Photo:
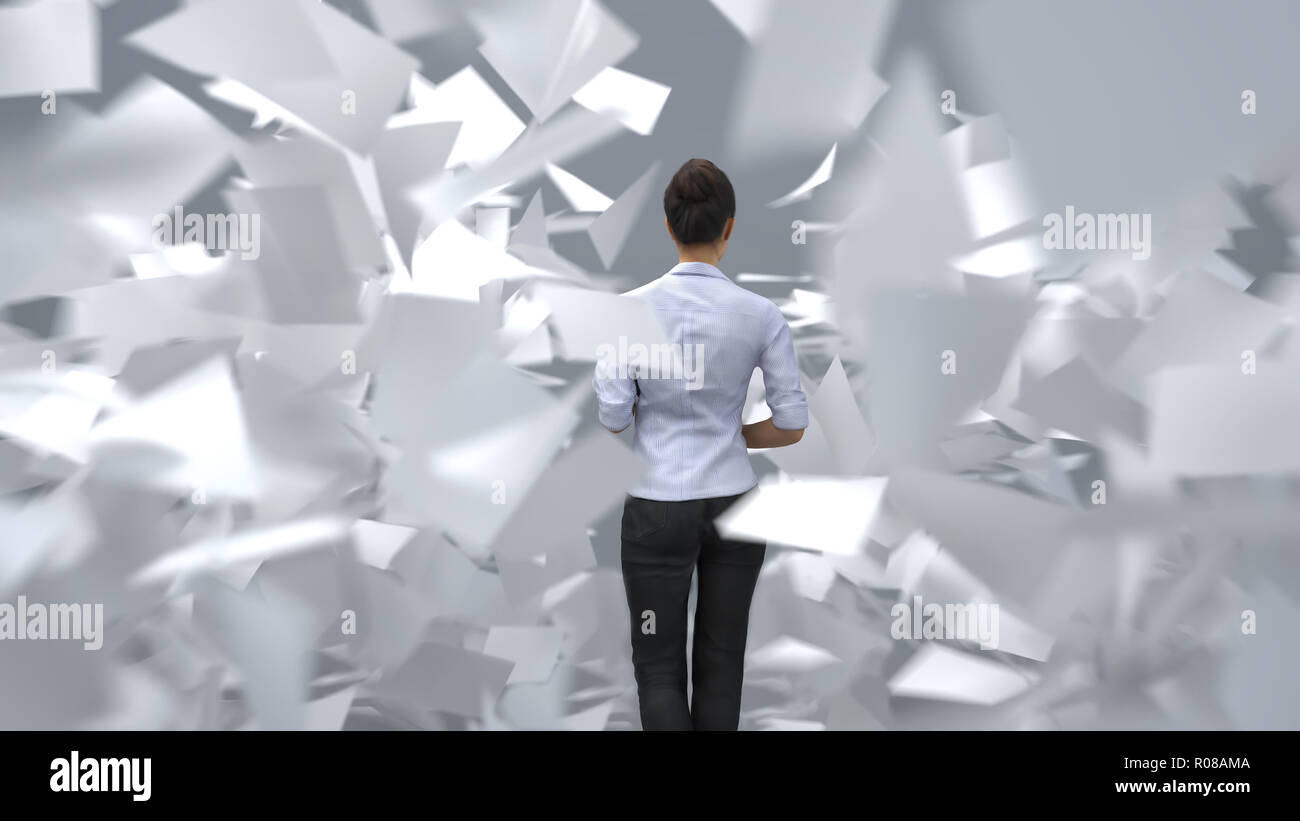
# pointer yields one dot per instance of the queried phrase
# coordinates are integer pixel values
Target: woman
(688, 431)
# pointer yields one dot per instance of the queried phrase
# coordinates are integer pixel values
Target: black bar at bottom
(329, 771)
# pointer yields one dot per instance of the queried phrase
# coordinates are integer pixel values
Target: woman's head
(700, 206)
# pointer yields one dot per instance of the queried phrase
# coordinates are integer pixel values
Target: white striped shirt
(688, 422)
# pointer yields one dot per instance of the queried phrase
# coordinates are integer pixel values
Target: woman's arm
(785, 397)
(629, 424)
(767, 435)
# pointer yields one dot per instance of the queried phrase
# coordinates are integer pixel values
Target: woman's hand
(767, 435)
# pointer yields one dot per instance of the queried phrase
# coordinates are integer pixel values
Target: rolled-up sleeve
(780, 366)
(615, 396)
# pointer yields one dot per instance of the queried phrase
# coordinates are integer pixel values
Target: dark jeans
(663, 544)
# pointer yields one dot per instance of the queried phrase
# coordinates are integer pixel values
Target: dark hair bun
(698, 202)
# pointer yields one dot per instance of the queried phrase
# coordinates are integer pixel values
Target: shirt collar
(697, 269)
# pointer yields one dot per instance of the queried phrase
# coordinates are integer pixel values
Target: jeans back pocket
(643, 517)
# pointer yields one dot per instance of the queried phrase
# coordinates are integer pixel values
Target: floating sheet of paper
(50, 47)
(750, 17)
(301, 270)
(790, 725)
(779, 106)
(1214, 420)
(810, 575)
(49, 531)
(318, 64)
(801, 279)
(320, 357)
(312, 583)
(270, 644)
(634, 101)
(149, 367)
(330, 712)
(920, 568)
(453, 262)
(1178, 333)
(493, 224)
(1253, 687)
(416, 344)
(982, 140)
(531, 228)
(411, 19)
(807, 307)
(611, 229)
(944, 674)
(1000, 534)
(53, 413)
(1075, 399)
(434, 568)
(192, 429)
(587, 479)
(904, 210)
(468, 464)
(584, 320)
(551, 266)
(246, 548)
(17, 468)
(804, 190)
(448, 679)
(847, 713)
(978, 450)
(1046, 472)
(548, 50)
(307, 163)
(532, 706)
(122, 315)
(589, 720)
(386, 620)
(839, 626)
(934, 358)
(580, 607)
(862, 571)
(564, 223)
(30, 703)
(186, 258)
(563, 558)
(377, 542)
(1004, 259)
(149, 151)
(534, 650)
(487, 125)
(995, 197)
(829, 515)
(564, 136)
(404, 157)
(522, 315)
(841, 421)
(580, 195)
(39, 317)
(789, 655)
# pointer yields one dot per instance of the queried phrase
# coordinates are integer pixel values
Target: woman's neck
(709, 255)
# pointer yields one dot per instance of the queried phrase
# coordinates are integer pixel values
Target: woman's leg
(728, 574)
(660, 545)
